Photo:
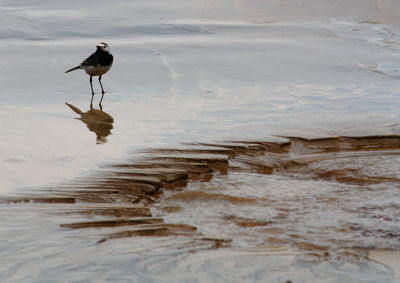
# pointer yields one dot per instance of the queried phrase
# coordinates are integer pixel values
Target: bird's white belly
(96, 70)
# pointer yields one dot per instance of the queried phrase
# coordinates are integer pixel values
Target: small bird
(96, 64)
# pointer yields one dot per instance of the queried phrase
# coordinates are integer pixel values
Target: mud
(201, 196)
(122, 194)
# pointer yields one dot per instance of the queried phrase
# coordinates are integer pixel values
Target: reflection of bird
(96, 64)
(97, 121)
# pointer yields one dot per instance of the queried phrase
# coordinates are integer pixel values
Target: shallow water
(188, 81)
(201, 72)
(325, 213)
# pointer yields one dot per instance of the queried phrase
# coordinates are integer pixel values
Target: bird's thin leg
(102, 92)
(91, 86)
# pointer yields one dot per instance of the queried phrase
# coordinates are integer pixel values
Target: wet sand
(111, 195)
(146, 197)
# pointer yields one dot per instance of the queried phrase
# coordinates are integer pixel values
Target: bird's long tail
(75, 109)
(73, 69)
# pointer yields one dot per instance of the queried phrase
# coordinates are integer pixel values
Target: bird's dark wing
(92, 60)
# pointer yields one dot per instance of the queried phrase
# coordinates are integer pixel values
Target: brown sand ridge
(121, 193)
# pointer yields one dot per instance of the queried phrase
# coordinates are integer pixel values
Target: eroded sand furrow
(121, 193)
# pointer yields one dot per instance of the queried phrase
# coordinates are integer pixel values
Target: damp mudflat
(278, 209)
(236, 143)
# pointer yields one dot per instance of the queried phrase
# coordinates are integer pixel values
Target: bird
(97, 64)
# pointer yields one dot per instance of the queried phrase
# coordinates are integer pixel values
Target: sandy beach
(237, 142)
